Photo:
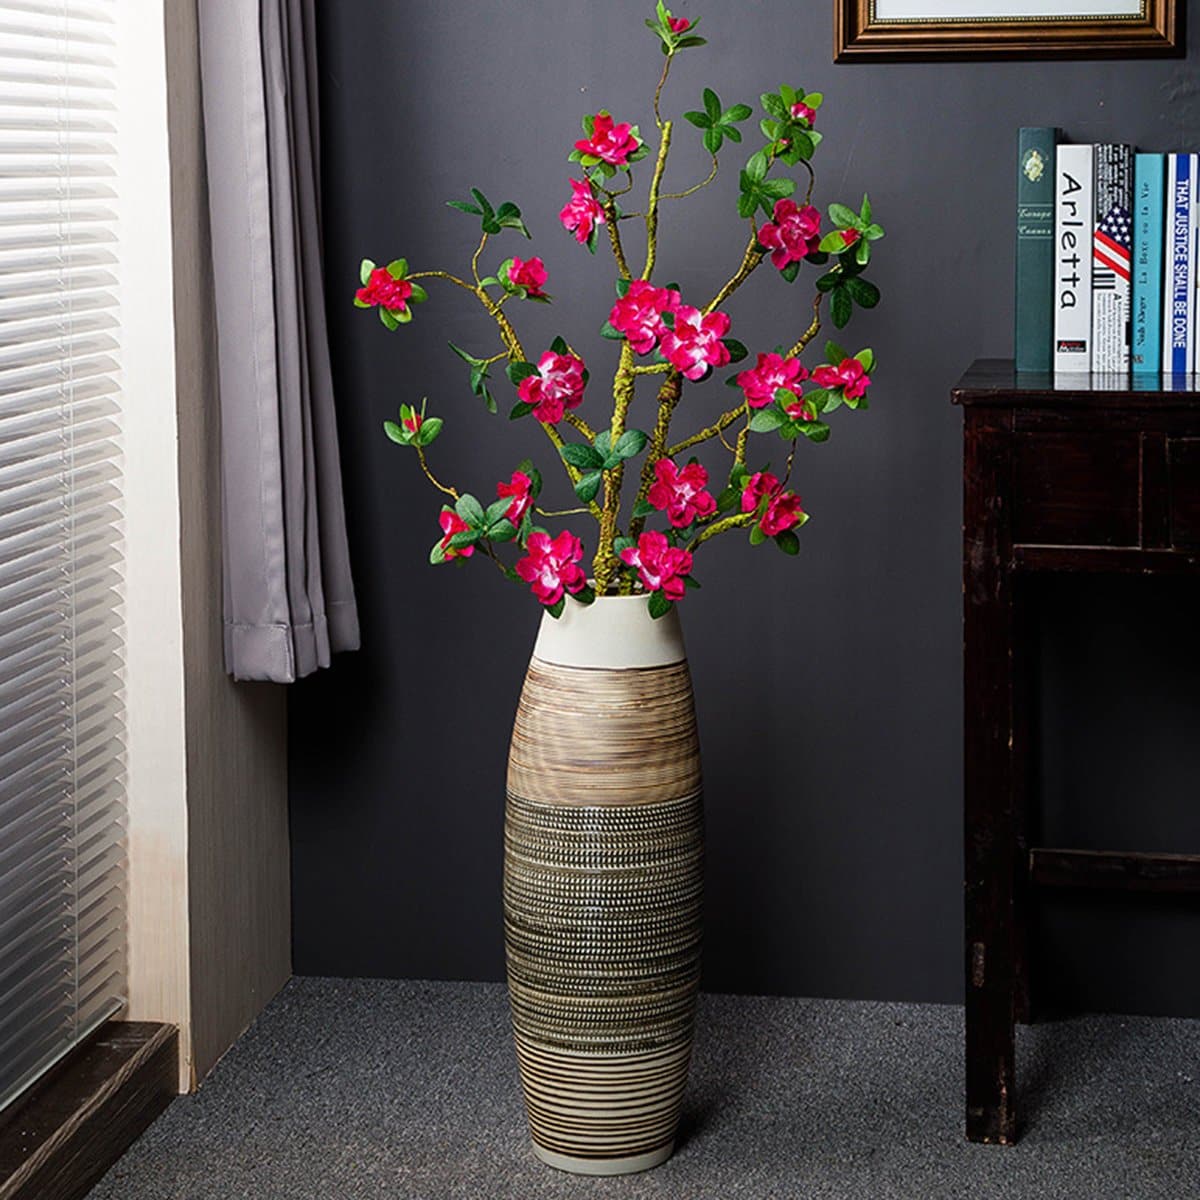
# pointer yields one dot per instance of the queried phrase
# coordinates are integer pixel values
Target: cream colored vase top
(602, 885)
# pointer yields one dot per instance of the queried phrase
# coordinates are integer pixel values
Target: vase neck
(612, 632)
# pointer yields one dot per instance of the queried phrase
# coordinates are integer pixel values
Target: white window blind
(62, 841)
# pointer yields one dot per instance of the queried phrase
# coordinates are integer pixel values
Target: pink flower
(679, 24)
(451, 524)
(583, 212)
(762, 485)
(529, 275)
(413, 422)
(694, 344)
(383, 289)
(783, 511)
(638, 314)
(610, 143)
(849, 236)
(660, 566)
(771, 372)
(681, 493)
(557, 386)
(522, 497)
(800, 410)
(847, 375)
(801, 111)
(552, 567)
(793, 234)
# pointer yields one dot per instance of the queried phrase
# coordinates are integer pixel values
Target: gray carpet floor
(371, 1090)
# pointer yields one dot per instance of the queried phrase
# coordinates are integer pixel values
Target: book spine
(1178, 284)
(1033, 333)
(1112, 244)
(1149, 204)
(1073, 200)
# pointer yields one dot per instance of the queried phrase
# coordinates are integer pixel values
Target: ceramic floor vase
(602, 886)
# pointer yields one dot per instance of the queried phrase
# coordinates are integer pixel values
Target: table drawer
(1076, 489)
(1183, 492)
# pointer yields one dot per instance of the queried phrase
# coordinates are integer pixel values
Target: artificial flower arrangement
(663, 338)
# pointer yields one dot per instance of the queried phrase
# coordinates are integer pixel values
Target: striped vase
(602, 886)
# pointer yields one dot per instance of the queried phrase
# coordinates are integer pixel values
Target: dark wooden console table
(1058, 476)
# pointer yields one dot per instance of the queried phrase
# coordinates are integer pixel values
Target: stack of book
(1107, 259)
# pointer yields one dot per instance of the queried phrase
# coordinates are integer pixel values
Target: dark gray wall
(828, 687)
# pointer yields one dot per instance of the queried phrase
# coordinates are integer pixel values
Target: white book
(1074, 202)
(1112, 258)
(1179, 266)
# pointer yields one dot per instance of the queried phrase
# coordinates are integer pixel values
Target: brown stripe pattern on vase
(602, 899)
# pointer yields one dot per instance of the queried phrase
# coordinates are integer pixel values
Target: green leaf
(747, 203)
(862, 252)
(757, 537)
(712, 105)
(437, 555)
(556, 609)
(867, 358)
(659, 605)
(465, 537)
(828, 281)
(516, 371)
(488, 399)
(631, 442)
(643, 508)
(467, 358)
(398, 434)
(429, 430)
(777, 189)
(788, 542)
(873, 233)
(419, 294)
(496, 510)
(732, 133)
(502, 531)
(586, 595)
(788, 95)
(393, 320)
(588, 486)
(690, 41)
(581, 455)
(482, 201)
(559, 345)
(840, 306)
(607, 331)
(774, 105)
(862, 292)
(398, 268)
(843, 217)
(364, 271)
(603, 441)
(739, 112)
(463, 206)
(623, 543)
(470, 510)
(790, 272)
(713, 139)
(756, 167)
(699, 119)
(767, 419)
(835, 353)
(737, 351)
(817, 399)
(520, 409)
(817, 431)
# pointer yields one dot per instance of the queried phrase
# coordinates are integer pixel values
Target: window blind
(62, 843)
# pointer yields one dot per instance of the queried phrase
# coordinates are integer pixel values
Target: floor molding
(73, 1125)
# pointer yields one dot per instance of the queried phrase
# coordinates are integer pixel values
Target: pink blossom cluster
(660, 566)
(848, 375)
(551, 566)
(693, 345)
(772, 371)
(638, 314)
(384, 290)
(609, 142)
(793, 233)
(583, 212)
(529, 274)
(780, 510)
(556, 387)
(681, 494)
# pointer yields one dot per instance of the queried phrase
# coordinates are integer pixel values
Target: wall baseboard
(72, 1126)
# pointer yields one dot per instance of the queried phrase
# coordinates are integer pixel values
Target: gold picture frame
(860, 34)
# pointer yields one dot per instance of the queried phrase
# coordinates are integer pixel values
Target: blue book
(1149, 209)
(1179, 266)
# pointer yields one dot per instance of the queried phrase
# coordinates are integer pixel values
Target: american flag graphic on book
(1113, 248)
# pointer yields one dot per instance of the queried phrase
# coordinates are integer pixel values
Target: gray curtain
(289, 595)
